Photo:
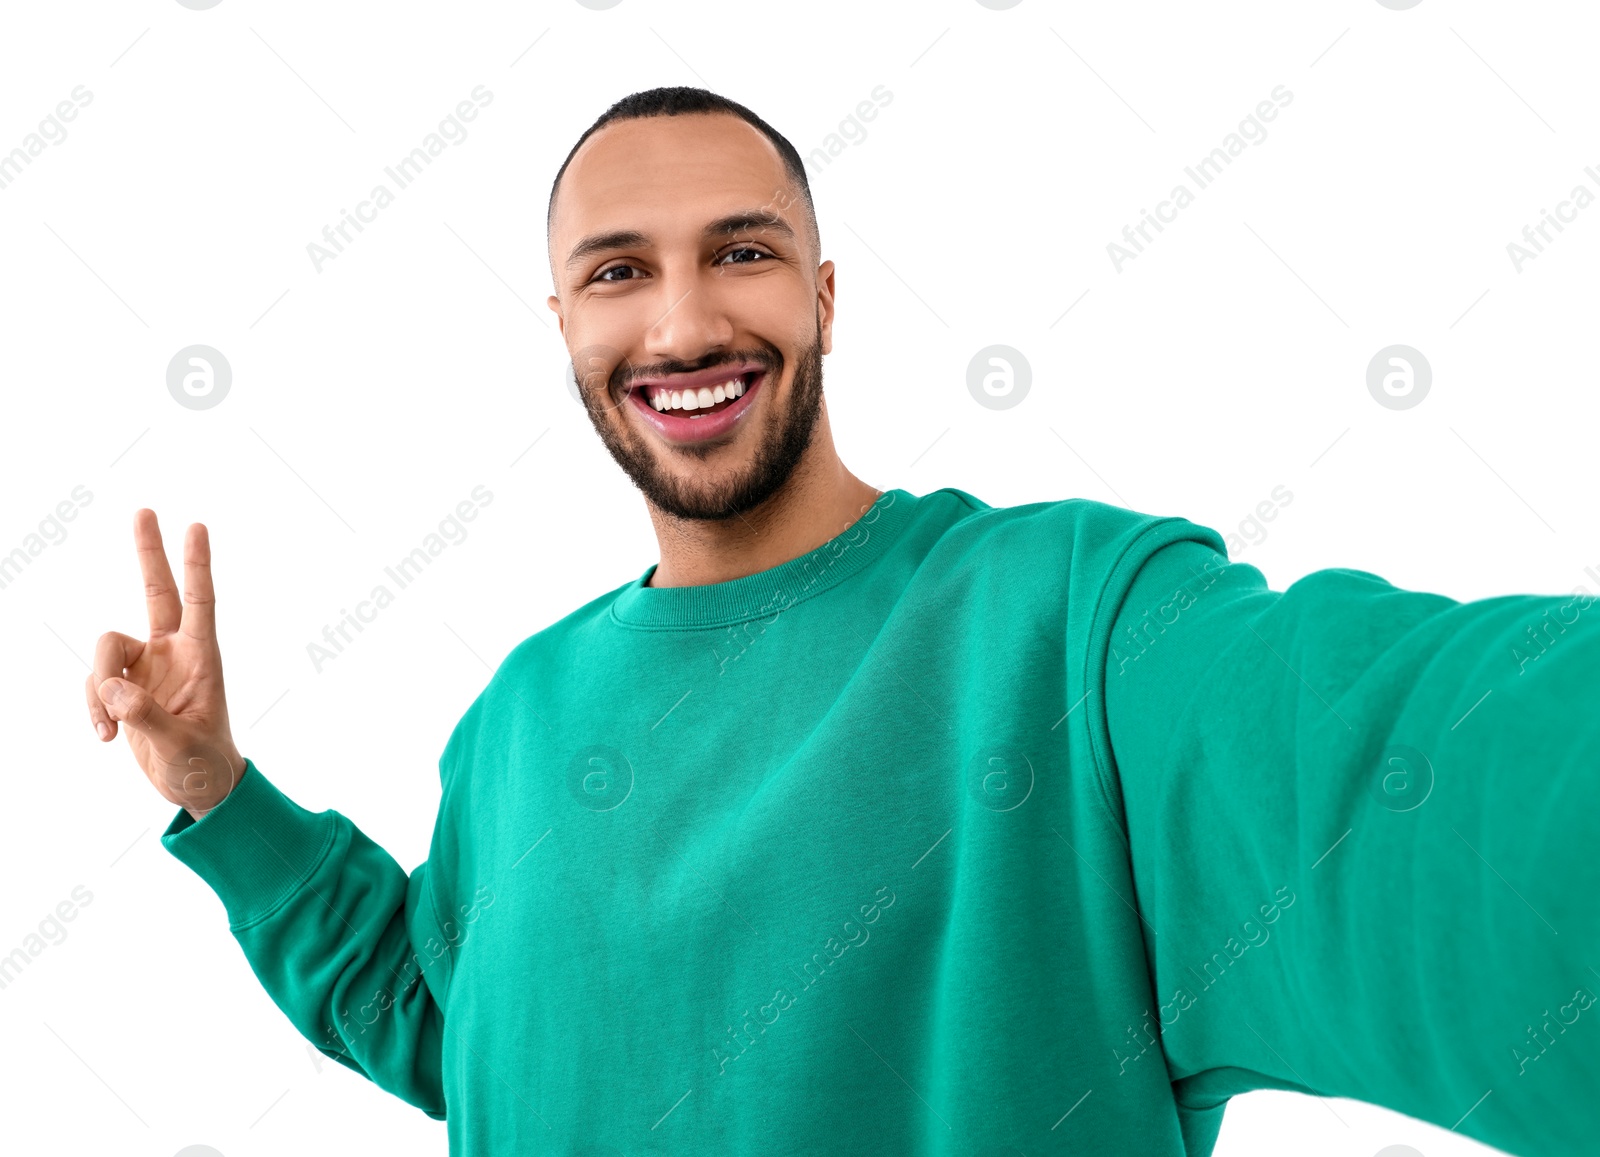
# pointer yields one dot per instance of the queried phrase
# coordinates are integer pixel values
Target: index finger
(160, 592)
(199, 600)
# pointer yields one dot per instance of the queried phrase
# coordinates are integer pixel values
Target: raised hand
(167, 690)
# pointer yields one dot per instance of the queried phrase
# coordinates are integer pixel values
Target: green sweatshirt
(974, 831)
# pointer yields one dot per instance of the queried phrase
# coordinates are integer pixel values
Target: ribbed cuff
(254, 849)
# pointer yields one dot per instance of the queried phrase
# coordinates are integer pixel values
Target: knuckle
(137, 707)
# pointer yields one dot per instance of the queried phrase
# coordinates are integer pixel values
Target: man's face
(684, 262)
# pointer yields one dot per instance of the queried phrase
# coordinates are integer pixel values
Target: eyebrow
(731, 225)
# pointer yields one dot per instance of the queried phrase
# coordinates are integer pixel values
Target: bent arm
(1363, 824)
(327, 920)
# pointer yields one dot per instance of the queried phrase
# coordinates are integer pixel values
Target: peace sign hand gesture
(168, 690)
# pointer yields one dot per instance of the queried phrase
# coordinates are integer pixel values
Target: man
(869, 822)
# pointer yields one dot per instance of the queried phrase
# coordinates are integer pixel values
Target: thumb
(132, 704)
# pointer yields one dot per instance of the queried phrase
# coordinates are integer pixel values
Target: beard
(780, 444)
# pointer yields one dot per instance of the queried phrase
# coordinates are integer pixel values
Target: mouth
(699, 414)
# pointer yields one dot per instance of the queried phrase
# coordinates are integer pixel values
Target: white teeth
(700, 399)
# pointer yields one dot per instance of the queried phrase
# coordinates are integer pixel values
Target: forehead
(658, 173)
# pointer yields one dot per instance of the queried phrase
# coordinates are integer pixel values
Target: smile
(698, 413)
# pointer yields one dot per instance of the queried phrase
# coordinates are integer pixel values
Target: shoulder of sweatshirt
(560, 636)
(1069, 546)
(1086, 534)
(1030, 547)
(1055, 550)
(542, 650)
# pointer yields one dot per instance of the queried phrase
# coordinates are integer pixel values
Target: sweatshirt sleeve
(1362, 822)
(341, 938)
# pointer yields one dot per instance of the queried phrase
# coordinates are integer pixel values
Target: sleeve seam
(450, 965)
(450, 757)
(1102, 623)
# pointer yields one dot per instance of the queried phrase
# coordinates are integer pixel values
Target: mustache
(626, 381)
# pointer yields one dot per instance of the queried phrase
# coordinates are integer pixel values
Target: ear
(825, 304)
(554, 303)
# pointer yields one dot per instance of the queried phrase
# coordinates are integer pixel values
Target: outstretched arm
(1363, 824)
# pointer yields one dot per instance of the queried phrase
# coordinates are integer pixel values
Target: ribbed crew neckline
(770, 591)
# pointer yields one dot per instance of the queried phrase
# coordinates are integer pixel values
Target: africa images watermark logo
(998, 377)
(198, 377)
(1398, 377)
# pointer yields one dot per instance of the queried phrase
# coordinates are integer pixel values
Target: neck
(820, 501)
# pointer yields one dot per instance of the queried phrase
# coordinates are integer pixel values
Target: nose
(691, 318)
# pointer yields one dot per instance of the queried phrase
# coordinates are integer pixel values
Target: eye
(743, 249)
(601, 276)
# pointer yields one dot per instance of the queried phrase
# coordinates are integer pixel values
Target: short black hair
(676, 100)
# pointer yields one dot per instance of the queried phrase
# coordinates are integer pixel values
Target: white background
(369, 398)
